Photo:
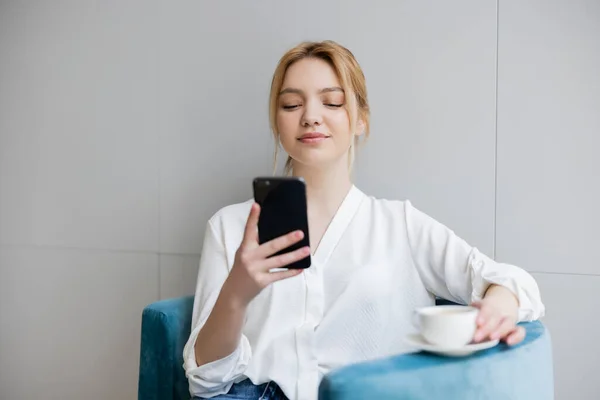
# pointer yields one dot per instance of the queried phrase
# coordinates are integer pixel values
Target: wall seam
(495, 224)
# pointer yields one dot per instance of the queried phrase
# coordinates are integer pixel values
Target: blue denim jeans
(246, 390)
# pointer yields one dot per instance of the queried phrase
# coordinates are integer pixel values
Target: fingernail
(299, 234)
(307, 250)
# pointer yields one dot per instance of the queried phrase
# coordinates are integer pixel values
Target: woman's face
(312, 120)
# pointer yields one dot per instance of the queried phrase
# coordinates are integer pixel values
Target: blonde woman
(273, 335)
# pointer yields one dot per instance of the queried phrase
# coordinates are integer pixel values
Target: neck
(326, 187)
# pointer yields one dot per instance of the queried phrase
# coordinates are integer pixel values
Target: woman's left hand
(495, 323)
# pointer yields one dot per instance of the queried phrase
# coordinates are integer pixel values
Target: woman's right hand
(250, 272)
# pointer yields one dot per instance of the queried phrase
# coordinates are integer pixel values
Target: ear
(360, 128)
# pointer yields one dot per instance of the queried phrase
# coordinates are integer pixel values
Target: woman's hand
(250, 272)
(498, 316)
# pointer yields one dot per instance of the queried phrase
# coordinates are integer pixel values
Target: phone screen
(283, 210)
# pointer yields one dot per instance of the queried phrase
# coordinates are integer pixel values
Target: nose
(312, 115)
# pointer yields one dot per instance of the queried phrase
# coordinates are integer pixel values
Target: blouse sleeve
(453, 270)
(218, 376)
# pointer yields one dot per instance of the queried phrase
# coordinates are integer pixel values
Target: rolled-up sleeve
(452, 269)
(218, 376)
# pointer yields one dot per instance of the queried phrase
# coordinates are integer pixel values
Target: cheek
(285, 124)
(281, 120)
(340, 123)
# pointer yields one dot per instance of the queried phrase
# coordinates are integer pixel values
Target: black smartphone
(283, 209)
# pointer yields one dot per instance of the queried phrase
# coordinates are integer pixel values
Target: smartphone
(283, 209)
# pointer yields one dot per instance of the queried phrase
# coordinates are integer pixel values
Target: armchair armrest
(165, 330)
(523, 372)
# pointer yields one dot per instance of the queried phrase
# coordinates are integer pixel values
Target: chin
(317, 162)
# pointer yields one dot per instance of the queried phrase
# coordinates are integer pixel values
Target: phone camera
(267, 183)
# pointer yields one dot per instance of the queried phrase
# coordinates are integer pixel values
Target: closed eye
(291, 107)
(334, 105)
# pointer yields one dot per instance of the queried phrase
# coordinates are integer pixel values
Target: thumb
(251, 230)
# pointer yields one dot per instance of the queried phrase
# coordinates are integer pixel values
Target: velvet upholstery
(521, 372)
(165, 330)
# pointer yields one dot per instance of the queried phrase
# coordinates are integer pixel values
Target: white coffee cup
(447, 326)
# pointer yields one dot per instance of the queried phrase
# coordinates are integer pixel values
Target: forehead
(310, 74)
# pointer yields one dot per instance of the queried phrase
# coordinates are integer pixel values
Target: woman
(260, 334)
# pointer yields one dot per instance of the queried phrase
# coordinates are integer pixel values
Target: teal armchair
(521, 372)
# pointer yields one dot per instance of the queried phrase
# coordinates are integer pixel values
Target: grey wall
(549, 171)
(125, 125)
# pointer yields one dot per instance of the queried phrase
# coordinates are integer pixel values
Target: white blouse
(376, 263)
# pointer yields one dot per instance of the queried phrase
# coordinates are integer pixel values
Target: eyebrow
(324, 90)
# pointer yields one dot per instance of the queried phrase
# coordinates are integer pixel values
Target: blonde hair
(348, 72)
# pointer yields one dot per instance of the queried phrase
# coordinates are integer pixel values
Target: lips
(313, 136)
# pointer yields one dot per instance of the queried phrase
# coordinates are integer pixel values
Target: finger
(506, 326)
(280, 275)
(282, 242)
(485, 313)
(490, 324)
(286, 259)
(251, 230)
(516, 336)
